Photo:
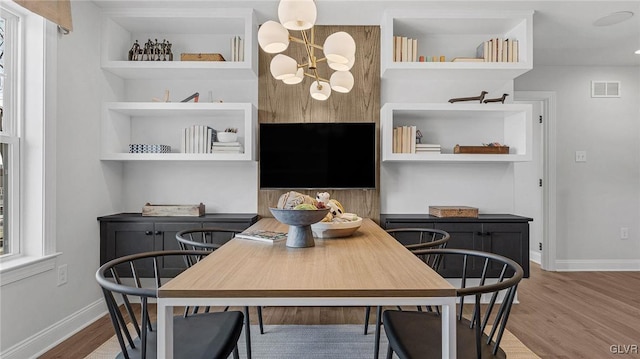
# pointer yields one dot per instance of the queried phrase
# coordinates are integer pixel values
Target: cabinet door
(463, 236)
(166, 240)
(507, 239)
(129, 238)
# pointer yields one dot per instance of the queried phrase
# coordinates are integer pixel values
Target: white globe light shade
(273, 37)
(297, 14)
(339, 47)
(338, 66)
(341, 81)
(282, 67)
(321, 93)
(296, 79)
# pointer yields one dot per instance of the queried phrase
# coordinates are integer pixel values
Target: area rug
(317, 342)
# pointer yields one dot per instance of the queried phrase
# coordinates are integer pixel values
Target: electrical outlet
(540, 245)
(624, 233)
(62, 274)
(581, 156)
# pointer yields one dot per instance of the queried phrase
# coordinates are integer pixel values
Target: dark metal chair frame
(510, 275)
(428, 238)
(194, 328)
(202, 239)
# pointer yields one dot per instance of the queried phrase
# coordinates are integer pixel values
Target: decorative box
(498, 150)
(201, 57)
(143, 148)
(177, 210)
(453, 211)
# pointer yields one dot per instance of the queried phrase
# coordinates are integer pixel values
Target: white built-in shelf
(125, 123)
(455, 34)
(189, 31)
(466, 124)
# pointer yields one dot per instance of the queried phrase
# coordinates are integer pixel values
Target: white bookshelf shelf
(127, 123)
(189, 31)
(464, 124)
(455, 34)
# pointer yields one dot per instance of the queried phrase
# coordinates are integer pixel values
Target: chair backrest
(420, 238)
(506, 283)
(205, 239)
(109, 277)
(415, 239)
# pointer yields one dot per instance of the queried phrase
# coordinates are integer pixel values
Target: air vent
(605, 88)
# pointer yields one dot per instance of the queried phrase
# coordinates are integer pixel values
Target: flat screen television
(318, 155)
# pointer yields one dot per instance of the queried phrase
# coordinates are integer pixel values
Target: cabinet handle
(483, 233)
(158, 233)
(148, 233)
(480, 233)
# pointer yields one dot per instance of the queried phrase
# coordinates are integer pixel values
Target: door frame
(549, 240)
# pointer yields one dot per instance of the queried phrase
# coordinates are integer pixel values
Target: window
(27, 144)
(9, 135)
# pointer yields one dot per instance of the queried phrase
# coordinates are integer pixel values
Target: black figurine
(499, 99)
(476, 98)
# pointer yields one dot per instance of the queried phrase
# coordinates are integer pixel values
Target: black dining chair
(209, 239)
(413, 239)
(206, 335)
(419, 335)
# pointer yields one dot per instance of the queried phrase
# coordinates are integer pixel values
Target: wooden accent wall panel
(282, 103)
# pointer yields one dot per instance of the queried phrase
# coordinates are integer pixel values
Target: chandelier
(339, 50)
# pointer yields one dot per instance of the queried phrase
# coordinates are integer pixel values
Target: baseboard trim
(48, 338)
(535, 257)
(597, 265)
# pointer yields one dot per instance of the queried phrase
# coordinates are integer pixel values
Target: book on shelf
(237, 49)
(262, 235)
(196, 139)
(498, 50)
(414, 53)
(404, 139)
(405, 49)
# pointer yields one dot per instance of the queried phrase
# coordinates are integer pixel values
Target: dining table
(368, 268)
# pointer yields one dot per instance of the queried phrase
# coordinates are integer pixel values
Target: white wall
(35, 308)
(594, 199)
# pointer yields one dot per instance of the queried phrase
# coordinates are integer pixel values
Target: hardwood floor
(560, 315)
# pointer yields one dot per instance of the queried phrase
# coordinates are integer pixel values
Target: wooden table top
(370, 263)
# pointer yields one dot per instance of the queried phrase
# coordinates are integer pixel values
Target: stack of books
(427, 148)
(404, 139)
(237, 49)
(197, 139)
(226, 147)
(498, 50)
(405, 49)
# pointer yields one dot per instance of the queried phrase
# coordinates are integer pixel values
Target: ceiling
(563, 31)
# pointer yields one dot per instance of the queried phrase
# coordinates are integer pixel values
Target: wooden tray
(453, 211)
(201, 57)
(170, 210)
(498, 150)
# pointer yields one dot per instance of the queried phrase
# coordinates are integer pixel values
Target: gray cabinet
(129, 233)
(503, 234)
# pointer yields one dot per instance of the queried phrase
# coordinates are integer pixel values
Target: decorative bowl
(299, 221)
(227, 136)
(335, 229)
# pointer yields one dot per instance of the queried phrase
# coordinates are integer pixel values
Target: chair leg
(235, 353)
(260, 319)
(367, 310)
(378, 326)
(247, 331)
(389, 352)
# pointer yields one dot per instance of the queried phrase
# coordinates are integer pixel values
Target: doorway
(534, 181)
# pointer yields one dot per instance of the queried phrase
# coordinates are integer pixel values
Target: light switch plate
(581, 156)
